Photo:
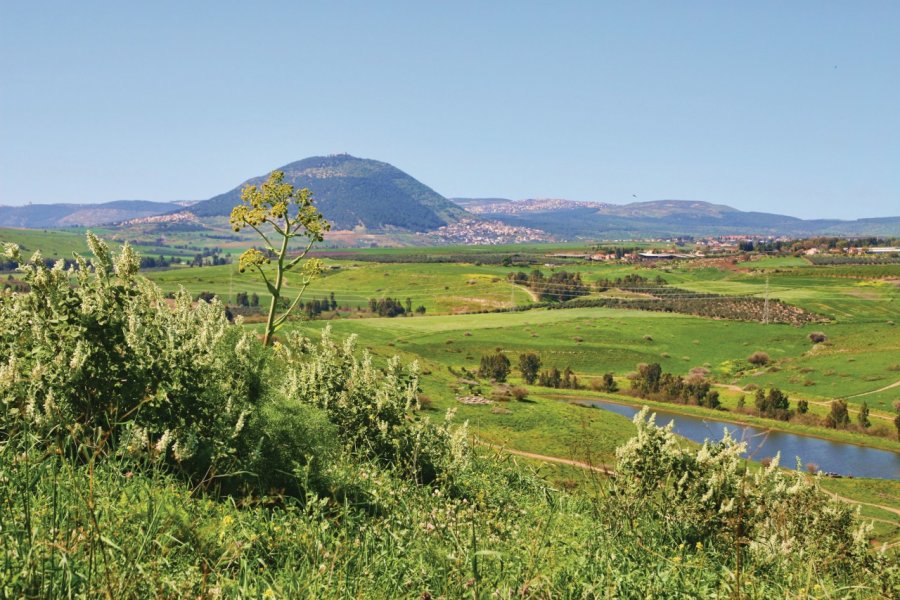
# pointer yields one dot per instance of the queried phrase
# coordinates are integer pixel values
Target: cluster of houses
(470, 231)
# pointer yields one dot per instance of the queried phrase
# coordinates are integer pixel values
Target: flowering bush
(709, 496)
(109, 359)
(372, 408)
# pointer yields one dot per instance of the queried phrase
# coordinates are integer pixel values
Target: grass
(51, 243)
(440, 287)
(118, 526)
(616, 340)
(55, 243)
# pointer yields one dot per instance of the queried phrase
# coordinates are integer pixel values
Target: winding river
(831, 457)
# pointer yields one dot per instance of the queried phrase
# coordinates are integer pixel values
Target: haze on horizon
(779, 108)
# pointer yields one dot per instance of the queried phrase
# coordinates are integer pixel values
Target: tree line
(558, 287)
(393, 307)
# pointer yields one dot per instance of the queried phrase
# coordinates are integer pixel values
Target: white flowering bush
(708, 496)
(373, 409)
(97, 353)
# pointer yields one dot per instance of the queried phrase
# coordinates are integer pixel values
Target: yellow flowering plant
(278, 212)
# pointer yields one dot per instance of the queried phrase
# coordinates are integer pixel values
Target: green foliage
(863, 416)
(494, 366)
(707, 497)
(649, 381)
(109, 361)
(109, 355)
(559, 287)
(387, 307)
(529, 365)
(370, 408)
(607, 384)
(554, 378)
(772, 405)
(839, 417)
(291, 447)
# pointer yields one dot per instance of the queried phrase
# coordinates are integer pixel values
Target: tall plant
(278, 213)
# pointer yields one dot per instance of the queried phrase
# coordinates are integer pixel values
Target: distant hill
(355, 192)
(39, 216)
(664, 218)
(495, 206)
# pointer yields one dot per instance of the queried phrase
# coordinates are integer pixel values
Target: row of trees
(649, 381)
(393, 307)
(775, 404)
(558, 287)
(553, 378)
(497, 366)
(631, 280)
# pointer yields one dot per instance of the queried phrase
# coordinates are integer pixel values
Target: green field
(55, 243)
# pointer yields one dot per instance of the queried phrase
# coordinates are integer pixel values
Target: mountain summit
(355, 192)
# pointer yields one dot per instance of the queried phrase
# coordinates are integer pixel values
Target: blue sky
(788, 107)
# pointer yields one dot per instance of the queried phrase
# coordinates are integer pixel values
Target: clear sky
(789, 107)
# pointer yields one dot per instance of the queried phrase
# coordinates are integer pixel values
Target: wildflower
(268, 593)
(227, 520)
(699, 546)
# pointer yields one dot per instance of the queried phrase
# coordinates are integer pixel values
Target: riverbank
(727, 416)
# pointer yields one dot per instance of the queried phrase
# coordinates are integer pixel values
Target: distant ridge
(376, 197)
(37, 216)
(355, 193)
(665, 218)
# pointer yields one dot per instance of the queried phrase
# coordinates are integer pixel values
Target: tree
(802, 407)
(609, 383)
(495, 366)
(711, 400)
(278, 213)
(863, 417)
(838, 417)
(529, 365)
(647, 379)
(773, 405)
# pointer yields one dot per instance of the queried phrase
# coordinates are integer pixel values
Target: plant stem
(276, 295)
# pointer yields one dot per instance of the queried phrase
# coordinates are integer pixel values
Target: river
(830, 457)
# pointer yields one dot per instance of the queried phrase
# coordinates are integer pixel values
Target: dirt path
(533, 294)
(852, 501)
(872, 415)
(884, 389)
(553, 459)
